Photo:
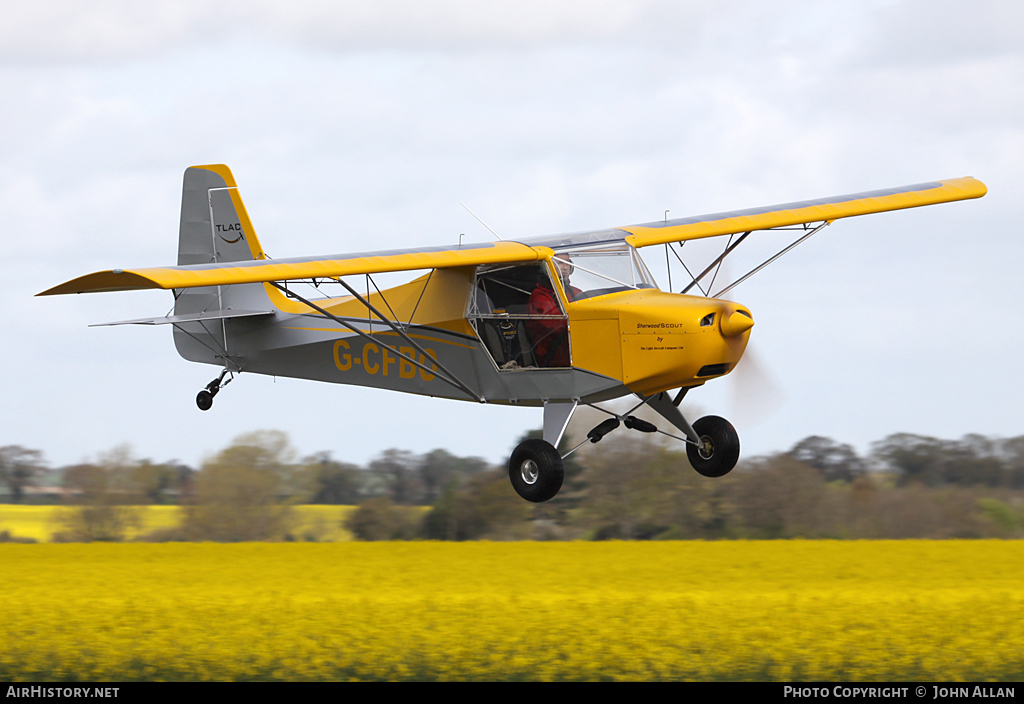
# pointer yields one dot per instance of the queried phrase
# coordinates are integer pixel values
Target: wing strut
(716, 265)
(717, 262)
(447, 377)
(686, 268)
(758, 268)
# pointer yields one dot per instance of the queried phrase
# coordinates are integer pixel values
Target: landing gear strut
(204, 399)
(536, 469)
(712, 444)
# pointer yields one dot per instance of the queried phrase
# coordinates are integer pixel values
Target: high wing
(331, 266)
(821, 210)
(774, 216)
(525, 249)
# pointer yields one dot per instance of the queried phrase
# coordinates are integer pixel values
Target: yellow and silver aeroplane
(552, 321)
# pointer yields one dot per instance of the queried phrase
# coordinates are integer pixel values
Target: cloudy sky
(362, 125)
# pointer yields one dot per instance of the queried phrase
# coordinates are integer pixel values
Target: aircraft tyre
(535, 470)
(719, 449)
(204, 400)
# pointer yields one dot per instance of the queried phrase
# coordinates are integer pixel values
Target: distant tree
(974, 460)
(834, 460)
(269, 450)
(98, 507)
(380, 519)
(153, 482)
(917, 511)
(859, 518)
(235, 497)
(19, 468)
(439, 468)
(971, 461)
(779, 497)
(395, 471)
(484, 506)
(913, 458)
(631, 487)
(1006, 521)
(1012, 452)
(331, 482)
(184, 482)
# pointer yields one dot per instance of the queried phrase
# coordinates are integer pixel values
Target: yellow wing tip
(973, 187)
(110, 280)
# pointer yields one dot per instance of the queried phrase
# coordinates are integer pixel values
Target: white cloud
(118, 29)
(940, 32)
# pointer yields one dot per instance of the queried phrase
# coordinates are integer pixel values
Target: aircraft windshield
(596, 271)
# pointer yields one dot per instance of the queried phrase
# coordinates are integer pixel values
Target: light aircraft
(553, 321)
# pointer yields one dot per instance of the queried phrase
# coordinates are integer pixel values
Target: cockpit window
(519, 318)
(595, 271)
(505, 289)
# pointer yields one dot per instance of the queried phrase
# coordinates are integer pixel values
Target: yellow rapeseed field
(782, 610)
(310, 522)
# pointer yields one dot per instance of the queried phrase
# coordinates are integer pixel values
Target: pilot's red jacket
(550, 335)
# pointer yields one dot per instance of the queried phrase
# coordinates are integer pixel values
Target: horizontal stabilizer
(192, 318)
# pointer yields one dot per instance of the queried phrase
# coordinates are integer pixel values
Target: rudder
(214, 228)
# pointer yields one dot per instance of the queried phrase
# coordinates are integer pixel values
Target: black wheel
(535, 470)
(719, 447)
(204, 400)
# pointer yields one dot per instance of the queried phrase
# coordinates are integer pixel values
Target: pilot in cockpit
(551, 335)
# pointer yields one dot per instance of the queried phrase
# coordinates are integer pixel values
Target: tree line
(627, 487)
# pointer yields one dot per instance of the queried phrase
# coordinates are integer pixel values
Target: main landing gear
(204, 399)
(536, 470)
(719, 447)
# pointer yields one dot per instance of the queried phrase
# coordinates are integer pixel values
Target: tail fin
(215, 228)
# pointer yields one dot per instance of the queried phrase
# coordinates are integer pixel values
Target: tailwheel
(535, 470)
(719, 447)
(204, 399)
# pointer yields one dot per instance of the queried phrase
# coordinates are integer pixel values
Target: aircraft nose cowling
(736, 324)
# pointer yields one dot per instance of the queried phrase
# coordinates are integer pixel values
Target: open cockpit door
(519, 318)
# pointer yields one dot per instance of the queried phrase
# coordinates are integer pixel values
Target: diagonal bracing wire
(721, 260)
(382, 297)
(712, 265)
(446, 377)
(758, 268)
(676, 254)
